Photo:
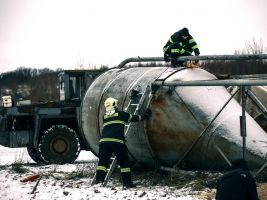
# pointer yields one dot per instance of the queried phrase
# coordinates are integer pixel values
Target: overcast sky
(67, 33)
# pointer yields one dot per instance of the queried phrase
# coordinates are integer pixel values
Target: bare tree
(241, 66)
(254, 47)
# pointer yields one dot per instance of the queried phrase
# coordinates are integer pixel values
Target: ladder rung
(134, 104)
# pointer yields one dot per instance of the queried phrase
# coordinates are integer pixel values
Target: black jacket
(189, 44)
(113, 130)
(237, 184)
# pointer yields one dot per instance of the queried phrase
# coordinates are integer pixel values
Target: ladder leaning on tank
(135, 104)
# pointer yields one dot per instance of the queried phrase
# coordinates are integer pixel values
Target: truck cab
(49, 130)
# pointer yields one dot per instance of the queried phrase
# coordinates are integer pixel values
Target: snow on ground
(72, 182)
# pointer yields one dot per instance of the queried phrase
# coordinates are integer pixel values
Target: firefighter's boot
(127, 180)
(100, 176)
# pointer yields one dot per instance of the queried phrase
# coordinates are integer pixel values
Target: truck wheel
(59, 144)
(33, 153)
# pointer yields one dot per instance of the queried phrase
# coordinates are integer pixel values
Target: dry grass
(262, 191)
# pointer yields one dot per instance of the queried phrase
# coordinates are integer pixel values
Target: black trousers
(105, 152)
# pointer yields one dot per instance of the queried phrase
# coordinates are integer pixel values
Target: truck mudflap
(4, 136)
(2, 123)
(12, 138)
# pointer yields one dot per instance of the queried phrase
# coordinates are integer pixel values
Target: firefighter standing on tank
(181, 43)
(113, 141)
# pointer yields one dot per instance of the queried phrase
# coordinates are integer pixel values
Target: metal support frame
(242, 83)
(257, 102)
(242, 126)
(263, 109)
(243, 119)
(228, 82)
(223, 155)
(204, 131)
(261, 169)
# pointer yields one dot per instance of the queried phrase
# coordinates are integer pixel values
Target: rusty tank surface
(180, 114)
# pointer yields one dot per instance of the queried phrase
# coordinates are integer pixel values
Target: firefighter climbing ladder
(134, 104)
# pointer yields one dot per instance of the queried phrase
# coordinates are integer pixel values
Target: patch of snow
(55, 184)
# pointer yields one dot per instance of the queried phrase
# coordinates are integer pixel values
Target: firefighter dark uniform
(238, 184)
(181, 43)
(113, 141)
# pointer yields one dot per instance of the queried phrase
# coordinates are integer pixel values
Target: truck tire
(59, 145)
(33, 153)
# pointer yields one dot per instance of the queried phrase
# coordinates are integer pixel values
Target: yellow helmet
(110, 103)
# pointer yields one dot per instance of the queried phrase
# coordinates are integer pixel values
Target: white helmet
(110, 103)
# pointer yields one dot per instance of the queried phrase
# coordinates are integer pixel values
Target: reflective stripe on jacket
(177, 45)
(113, 126)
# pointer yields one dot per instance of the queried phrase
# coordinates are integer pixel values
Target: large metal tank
(179, 116)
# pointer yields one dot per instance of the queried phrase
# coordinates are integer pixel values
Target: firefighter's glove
(196, 51)
(147, 114)
(166, 58)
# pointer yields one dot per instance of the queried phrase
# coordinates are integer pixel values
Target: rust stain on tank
(163, 134)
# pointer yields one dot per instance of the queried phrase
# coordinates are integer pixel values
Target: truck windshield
(61, 86)
(75, 87)
(70, 86)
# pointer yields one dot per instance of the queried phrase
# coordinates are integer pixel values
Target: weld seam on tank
(162, 73)
(123, 105)
(101, 98)
(150, 150)
(121, 74)
(132, 84)
(163, 81)
(98, 108)
(156, 161)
